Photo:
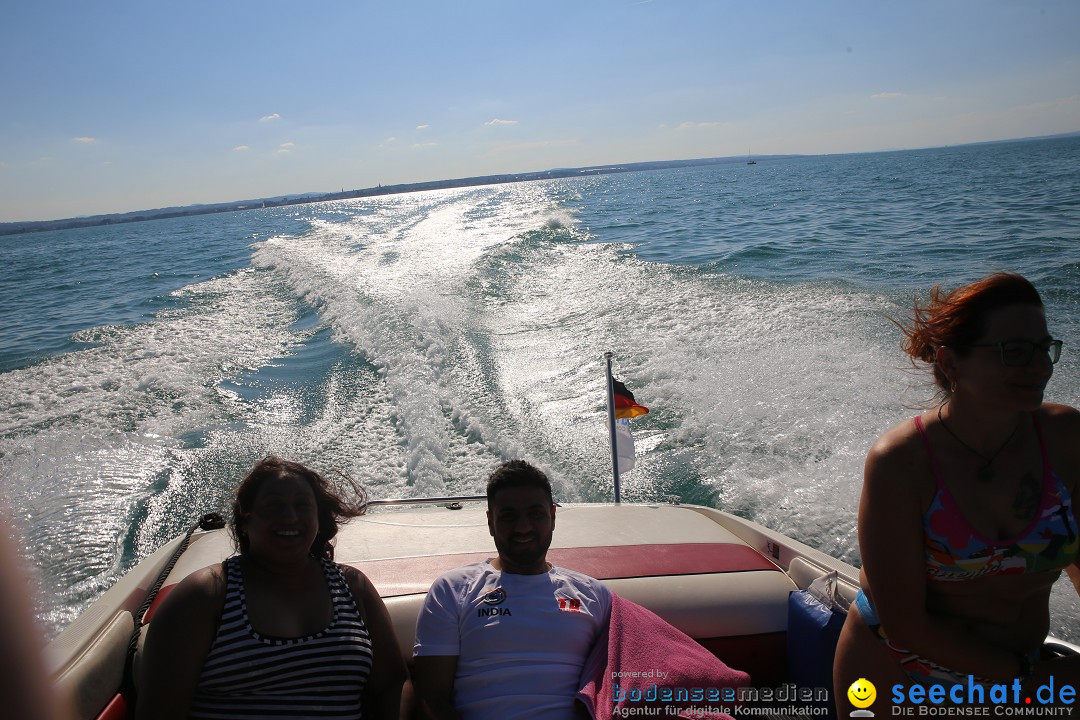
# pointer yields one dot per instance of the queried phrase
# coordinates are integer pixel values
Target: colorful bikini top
(957, 551)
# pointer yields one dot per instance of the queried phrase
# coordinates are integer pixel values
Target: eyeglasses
(1018, 353)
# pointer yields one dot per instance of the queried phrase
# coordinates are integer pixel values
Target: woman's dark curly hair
(957, 319)
(337, 499)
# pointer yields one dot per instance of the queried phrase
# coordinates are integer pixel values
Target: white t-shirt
(521, 640)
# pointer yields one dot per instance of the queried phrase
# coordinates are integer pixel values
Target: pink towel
(641, 661)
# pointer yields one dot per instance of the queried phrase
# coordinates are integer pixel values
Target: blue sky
(128, 105)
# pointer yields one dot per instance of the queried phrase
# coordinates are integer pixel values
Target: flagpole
(611, 426)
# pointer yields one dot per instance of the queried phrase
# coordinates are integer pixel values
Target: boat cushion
(90, 681)
(409, 575)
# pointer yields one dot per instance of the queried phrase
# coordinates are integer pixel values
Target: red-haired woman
(968, 511)
(279, 630)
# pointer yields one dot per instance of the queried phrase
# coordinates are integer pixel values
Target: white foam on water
(474, 323)
(488, 340)
(760, 391)
(86, 434)
(402, 295)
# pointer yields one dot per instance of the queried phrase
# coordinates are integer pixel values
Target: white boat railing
(442, 500)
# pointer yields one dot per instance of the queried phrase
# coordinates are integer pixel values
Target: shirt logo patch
(494, 597)
(570, 604)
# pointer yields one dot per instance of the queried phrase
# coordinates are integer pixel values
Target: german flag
(625, 405)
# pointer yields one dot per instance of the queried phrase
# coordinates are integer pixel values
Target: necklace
(986, 472)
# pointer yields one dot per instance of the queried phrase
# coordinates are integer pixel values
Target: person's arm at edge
(891, 545)
(177, 642)
(26, 689)
(435, 685)
(382, 693)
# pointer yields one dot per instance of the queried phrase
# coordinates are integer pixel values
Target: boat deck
(721, 580)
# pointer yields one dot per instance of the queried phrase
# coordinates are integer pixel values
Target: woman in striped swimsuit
(967, 513)
(279, 630)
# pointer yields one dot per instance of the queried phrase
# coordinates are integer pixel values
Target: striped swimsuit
(248, 675)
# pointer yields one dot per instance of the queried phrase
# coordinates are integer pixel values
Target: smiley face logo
(862, 693)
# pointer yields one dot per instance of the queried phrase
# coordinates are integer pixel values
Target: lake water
(416, 340)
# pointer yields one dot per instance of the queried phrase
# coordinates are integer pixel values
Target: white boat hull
(720, 579)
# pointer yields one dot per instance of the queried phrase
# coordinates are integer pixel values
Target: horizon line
(14, 227)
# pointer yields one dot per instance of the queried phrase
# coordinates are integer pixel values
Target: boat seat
(749, 635)
(90, 681)
(751, 631)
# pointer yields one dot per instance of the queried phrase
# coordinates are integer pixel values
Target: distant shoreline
(17, 228)
(14, 228)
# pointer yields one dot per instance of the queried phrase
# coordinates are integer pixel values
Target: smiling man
(507, 638)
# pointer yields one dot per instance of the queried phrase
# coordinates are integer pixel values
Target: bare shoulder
(898, 486)
(1061, 418)
(898, 470)
(1061, 426)
(356, 580)
(210, 581)
(201, 594)
(368, 601)
(895, 452)
(360, 586)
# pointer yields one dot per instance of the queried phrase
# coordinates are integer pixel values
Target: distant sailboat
(749, 160)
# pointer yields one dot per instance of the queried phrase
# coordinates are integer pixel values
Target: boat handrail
(457, 499)
(440, 500)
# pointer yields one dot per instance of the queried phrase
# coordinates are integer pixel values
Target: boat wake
(416, 340)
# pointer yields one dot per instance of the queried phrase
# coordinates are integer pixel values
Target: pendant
(986, 473)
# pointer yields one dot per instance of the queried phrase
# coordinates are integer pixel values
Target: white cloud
(886, 95)
(497, 121)
(268, 118)
(423, 146)
(422, 127)
(388, 142)
(84, 140)
(241, 148)
(285, 147)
